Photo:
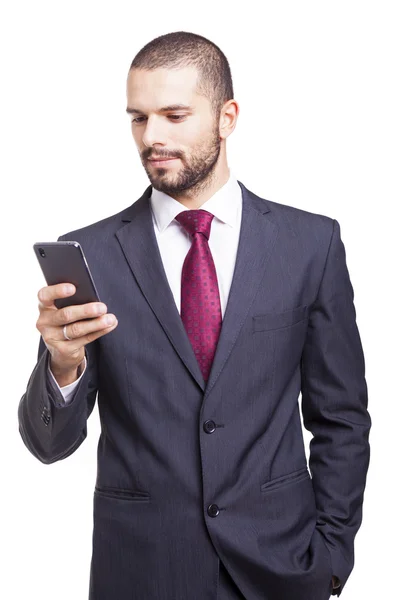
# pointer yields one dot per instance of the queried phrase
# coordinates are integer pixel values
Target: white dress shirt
(174, 243)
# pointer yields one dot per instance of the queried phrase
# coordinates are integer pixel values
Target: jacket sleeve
(334, 407)
(50, 428)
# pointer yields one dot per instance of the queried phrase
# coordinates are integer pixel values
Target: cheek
(193, 133)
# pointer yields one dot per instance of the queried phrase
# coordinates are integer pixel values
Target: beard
(194, 175)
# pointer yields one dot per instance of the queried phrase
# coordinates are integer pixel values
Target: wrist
(66, 376)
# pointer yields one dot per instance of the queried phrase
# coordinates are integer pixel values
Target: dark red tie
(200, 303)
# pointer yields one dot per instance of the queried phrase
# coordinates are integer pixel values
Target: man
(219, 309)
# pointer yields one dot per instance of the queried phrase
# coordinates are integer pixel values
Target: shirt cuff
(68, 390)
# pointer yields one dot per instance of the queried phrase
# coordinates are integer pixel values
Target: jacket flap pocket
(278, 320)
(121, 494)
(293, 477)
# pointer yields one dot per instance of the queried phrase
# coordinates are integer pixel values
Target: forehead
(161, 87)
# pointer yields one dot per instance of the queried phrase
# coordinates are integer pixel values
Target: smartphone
(65, 262)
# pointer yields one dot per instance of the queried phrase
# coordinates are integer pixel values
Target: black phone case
(65, 262)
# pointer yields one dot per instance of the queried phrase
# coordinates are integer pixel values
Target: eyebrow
(170, 108)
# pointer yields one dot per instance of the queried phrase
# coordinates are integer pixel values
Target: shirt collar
(223, 204)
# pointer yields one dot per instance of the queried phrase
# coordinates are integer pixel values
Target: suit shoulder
(290, 213)
(302, 227)
(103, 227)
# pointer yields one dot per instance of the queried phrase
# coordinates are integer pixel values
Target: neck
(196, 197)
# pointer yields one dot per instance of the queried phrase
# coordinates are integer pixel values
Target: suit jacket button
(209, 426)
(213, 510)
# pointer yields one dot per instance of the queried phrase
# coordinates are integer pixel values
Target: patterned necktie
(200, 303)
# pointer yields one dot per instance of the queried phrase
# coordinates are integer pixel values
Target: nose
(153, 133)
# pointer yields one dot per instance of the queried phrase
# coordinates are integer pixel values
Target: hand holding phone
(65, 325)
(65, 261)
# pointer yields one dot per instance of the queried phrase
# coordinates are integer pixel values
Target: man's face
(188, 135)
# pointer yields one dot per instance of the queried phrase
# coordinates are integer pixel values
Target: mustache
(160, 156)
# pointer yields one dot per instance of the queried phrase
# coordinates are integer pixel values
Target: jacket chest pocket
(271, 321)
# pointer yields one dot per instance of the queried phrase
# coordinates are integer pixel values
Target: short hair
(181, 49)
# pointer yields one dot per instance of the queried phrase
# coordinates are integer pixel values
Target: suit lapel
(257, 238)
(140, 248)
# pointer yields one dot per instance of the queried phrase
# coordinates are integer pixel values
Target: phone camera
(42, 252)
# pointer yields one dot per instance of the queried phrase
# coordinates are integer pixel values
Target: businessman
(220, 310)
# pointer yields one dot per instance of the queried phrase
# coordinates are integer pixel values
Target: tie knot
(196, 221)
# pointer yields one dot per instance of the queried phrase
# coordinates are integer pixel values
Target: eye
(176, 118)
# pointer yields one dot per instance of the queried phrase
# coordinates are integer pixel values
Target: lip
(162, 162)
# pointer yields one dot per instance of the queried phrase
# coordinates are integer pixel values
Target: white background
(318, 88)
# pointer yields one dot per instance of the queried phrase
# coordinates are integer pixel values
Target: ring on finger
(65, 333)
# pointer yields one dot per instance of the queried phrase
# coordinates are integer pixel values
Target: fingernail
(68, 289)
(110, 319)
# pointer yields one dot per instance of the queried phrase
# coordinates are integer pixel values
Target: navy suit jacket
(190, 473)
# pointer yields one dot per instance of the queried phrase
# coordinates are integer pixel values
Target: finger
(48, 294)
(77, 343)
(77, 312)
(79, 329)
